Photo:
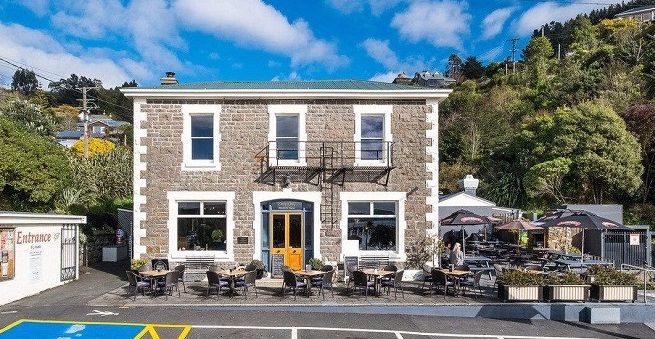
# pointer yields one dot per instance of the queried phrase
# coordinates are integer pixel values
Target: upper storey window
(201, 137)
(373, 135)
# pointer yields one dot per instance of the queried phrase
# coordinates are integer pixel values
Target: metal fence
(68, 252)
(619, 248)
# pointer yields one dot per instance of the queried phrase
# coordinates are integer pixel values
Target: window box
(566, 292)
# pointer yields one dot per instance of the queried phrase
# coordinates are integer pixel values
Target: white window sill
(203, 166)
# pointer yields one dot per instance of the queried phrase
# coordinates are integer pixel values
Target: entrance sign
(634, 238)
(286, 205)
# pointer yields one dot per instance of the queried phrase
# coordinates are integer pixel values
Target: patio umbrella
(519, 225)
(552, 216)
(463, 218)
(585, 220)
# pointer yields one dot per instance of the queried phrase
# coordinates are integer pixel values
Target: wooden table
(377, 275)
(154, 276)
(308, 275)
(458, 274)
(232, 275)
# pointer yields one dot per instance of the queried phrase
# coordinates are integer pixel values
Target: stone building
(284, 169)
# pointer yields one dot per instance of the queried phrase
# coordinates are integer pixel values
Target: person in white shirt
(456, 255)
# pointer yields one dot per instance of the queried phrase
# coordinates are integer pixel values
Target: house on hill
(285, 170)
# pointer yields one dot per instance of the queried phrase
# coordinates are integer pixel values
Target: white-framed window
(374, 223)
(99, 129)
(201, 137)
(201, 223)
(287, 135)
(372, 134)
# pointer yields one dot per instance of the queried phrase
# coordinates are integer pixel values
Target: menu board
(7, 253)
(277, 263)
(347, 261)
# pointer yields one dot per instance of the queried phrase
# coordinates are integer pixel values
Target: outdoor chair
(181, 269)
(214, 281)
(247, 283)
(441, 279)
(360, 280)
(143, 268)
(473, 284)
(290, 280)
(326, 282)
(498, 269)
(350, 269)
(135, 283)
(396, 282)
(169, 283)
(427, 277)
(391, 268)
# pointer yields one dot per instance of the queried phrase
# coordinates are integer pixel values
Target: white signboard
(634, 239)
(36, 262)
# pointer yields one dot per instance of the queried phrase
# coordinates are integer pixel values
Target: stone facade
(244, 133)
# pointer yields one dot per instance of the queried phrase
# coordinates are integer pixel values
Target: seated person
(456, 255)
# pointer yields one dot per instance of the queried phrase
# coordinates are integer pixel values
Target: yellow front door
(287, 230)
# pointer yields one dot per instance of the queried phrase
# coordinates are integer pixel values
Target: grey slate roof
(635, 10)
(290, 85)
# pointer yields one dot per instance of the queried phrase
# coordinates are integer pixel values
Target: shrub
(135, 264)
(316, 263)
(520, 278)
(568, 278)
(259, 265)
(604, 275)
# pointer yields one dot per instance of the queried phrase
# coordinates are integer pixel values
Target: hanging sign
(634, 238)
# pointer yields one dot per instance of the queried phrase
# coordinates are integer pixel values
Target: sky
(255, 40)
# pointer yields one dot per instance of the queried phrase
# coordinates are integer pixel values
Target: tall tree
(24, 81)
(472, 68)
(640, 121)
(454, 69)
(68, 91)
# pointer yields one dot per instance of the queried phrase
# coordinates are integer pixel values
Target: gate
(68, 252)
(618, 249)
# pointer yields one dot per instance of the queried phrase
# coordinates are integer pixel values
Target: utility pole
(513, 50)
(84, 115)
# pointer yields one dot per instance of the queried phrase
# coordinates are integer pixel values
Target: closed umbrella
(585, 220)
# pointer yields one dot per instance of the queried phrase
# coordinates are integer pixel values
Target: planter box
(520, 293)
(566, 292)
(614, 292)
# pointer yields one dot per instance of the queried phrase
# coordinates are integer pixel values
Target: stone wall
(244, 133)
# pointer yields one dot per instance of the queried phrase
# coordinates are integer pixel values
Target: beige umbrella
(518, 225)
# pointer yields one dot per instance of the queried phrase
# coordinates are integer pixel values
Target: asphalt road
(69, 303)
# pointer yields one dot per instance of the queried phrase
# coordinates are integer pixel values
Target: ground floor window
(201, 221)
(373, 224)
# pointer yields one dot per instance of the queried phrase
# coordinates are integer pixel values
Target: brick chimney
(469, 185)
(169, 79)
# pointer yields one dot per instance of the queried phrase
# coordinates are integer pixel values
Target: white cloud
(441, 23)
(544, 13)
(293, 76)
(256, 25)
(492, 54)
(494, 22)
(38, 51)
(385, 77)
(351, 6)
(38, 7)
(380, 51)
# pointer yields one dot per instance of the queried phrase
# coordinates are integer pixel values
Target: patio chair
(473, 284)
(498, 269)
(135, 283)
(214, 281)
(170, 283)
(325, 282)
(427, 277)
(350, 269)
(290, 280)
(181, 269)
(441, 279)
(360, 279)
(391, 268)
(396, 282)
(249, 280)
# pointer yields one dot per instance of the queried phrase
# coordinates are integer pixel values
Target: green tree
(24, 81)
(454, 69)
(545, 179)
(472, 68)
(605, 157)
(582, 37)
(28, 114)
(33, 169)
(68, 91)
(640, 121)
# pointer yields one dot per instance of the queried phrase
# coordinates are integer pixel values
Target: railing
(648, 273)
(326, 154)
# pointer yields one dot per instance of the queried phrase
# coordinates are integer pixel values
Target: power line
(15, 64)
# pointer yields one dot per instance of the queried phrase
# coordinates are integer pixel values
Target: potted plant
(519, 285)
(259, 266)
(316, 263)
(568, 286)
(611, 284)
(135, 264)
(218, 238)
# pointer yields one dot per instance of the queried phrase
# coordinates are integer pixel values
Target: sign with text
(286, 205)
(634, 238)
(277, 261)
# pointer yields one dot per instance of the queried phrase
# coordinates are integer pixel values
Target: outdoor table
(569, 264)
(308, 275)
(232, 275)
(377, 275)
(154, 276)
(482, 262)
(457, 274)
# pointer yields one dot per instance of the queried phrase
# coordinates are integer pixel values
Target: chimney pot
(169, 79)
(469, 185)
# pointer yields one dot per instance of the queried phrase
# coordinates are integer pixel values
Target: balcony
(318, 162)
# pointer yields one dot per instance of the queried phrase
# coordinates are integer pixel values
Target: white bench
(197, 266)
